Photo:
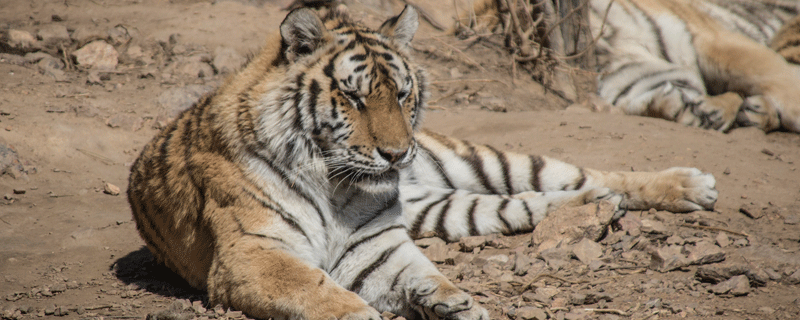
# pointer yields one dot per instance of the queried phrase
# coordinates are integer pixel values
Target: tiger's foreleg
(261, 277)
(385, 268)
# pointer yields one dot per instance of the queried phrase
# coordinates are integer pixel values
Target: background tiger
(701, 63)
(292, 191)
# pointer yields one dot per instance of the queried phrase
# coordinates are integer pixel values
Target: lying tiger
(715, 64)
(704, 63)
(294, 190)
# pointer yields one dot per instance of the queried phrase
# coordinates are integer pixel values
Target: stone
(97, 55)
(21, 41)
(587, 250)
(531, 313)
(111, 189)
(54, 35)
(468, 244)
(705, 252)
(10, 162)
(794, 278)
(631, 224)
(667, 258)
(568, 224)
(227, 60)
(522, 263)
(722, 240)
(427, 242)
(653, 227)
(119, 35)
(736, 286)
(438, 252)
(34, 57)
(791, 219)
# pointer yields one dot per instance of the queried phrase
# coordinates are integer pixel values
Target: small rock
(675, 240)
(791, 219)
(111, 189)
(34, 57)
(631, 224)
(197, 306)
(705, 252)
(653, 226)
(531, 313)
(751, 211)
(438, 252)
(722, 240)
(572, 223)
(668, 258)
(737, 286)
(468, 244)
(125, 121)
(119, 35)
(772, 274)
(577, 299)
(794, 278)
(97, 55)
(766, 310)
(59, 287)
(653, 304)
(587, 250)
(741, 243)
(54, 35)
(427, 242)
(522, 263)
(61, 311)
(227, 60)
(557, 257)
(499, 259)
(21, 40)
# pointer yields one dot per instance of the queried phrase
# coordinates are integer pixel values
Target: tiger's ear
(302, 32)
(402, 27)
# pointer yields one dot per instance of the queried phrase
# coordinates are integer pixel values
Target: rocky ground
(85, 84)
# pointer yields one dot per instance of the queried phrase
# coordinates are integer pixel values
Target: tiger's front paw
(440, 299)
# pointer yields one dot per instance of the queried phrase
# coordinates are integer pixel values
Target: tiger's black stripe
(441, 229)
(473, 227)
(364, 240)
(423, 214)
(537, 163)
(506, 169)
(439, 167)
(291, 221)
(359, 281)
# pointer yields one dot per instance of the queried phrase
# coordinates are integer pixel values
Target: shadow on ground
(141, 269)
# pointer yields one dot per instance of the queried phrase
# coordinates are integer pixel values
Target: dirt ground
(69, 248)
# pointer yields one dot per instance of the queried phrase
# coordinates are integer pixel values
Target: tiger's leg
(383, 266)
(452, 184)
(454, 214)
(763, 77)
(259, 275)
(652, 87)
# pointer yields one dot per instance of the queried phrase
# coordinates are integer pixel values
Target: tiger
(295, 190)
(714, 64)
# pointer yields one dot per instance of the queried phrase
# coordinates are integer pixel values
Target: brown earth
(70, 249)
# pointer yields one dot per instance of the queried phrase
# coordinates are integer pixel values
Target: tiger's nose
(392, 155)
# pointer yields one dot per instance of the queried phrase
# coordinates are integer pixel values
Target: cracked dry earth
(68, 247)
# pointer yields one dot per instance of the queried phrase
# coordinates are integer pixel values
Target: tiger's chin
(384, 182)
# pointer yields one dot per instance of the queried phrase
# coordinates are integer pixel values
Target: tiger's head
(364, 95)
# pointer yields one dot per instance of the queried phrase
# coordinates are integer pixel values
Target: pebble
(111, 189)
(791, 219)
(85, 34)
(468, 244)
(653, 227)
(587, 250)
(125, 121)
(22, 40)
(522, 263)
(531, 313)
(97, 55)
(705, 252)
(722, 239)
(794, 278)
(573, 223)
(736, 286)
